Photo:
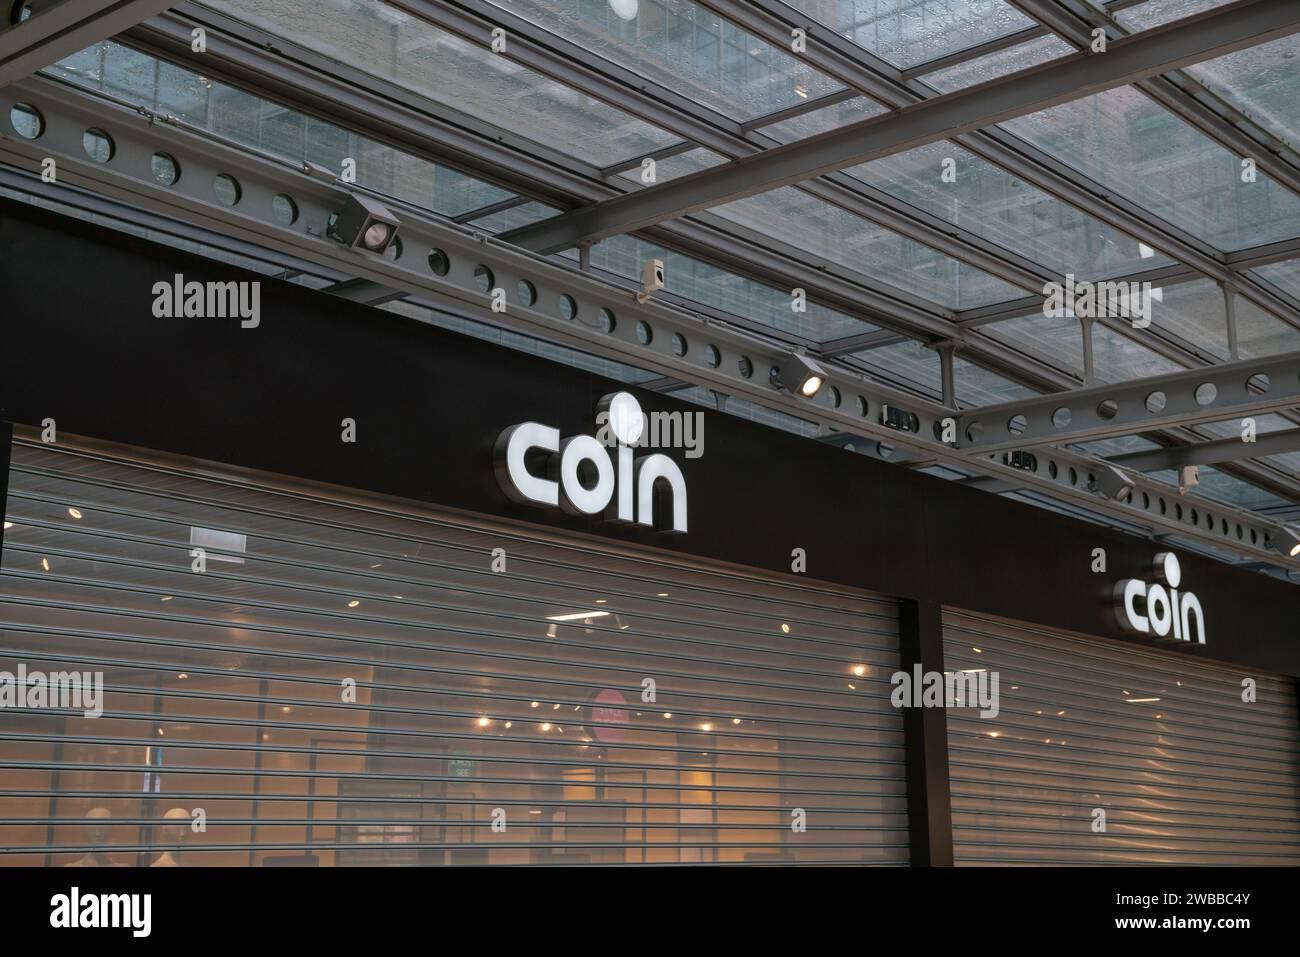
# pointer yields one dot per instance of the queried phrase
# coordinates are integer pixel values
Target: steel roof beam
(241, 53)
(354, 100)
(60, 28)
(138, 134)
(559, 58)
(1187, 397)
(1210, 453)
(1205, 36)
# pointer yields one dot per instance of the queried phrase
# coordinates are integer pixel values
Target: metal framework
(59, 28)
(1012, 448)
(1210, 453)
(1211, 34)
(442, 262)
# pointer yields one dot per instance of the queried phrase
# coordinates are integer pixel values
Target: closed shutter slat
(1186, 772)
(474, 695)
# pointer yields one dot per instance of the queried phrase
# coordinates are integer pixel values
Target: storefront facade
(330, 616)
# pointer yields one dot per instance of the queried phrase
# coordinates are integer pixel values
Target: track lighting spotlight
(1113, 484)
(364, 224)
(1287, 541)
(800, 375)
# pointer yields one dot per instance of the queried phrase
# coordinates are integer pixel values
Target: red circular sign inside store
(608, 709)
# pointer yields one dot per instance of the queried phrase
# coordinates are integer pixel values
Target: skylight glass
(268, 127)
(1261, 334)
(824, 118)
(1263, 82)
(908, 32)
(464, 76)
(999, 63)
(685, 47)
(700, 282)
(829, 232)
(905, 363)
(1059, 342)
(1156, 13)
(999, 207)
(1135, 147)
(1285, 275)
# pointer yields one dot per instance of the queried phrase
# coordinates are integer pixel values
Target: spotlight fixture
(1287, 541)
(800, 375)
(1114, 484)
(363, 224)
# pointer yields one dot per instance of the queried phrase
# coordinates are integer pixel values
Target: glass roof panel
(919, 367)
(1218, 487)
(1119, 445)
(1057, 341)
(1261, 334)
(1155, 13)
(990, 66)
(670, 167)
(908, 32)
(1195, 312)
(1284, 275)
(1142, 151)
(826, 118)
(270, 128)
(977, 386)
(515, 217)
(1231, 428)
(1263, 82)
(465, 76)
(685, 47)
(834, 234)
(710, 286)
(1290, 461)
(1117, 358)
(907, 364)
(999, 207)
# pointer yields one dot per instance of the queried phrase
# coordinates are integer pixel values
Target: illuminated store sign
(579, 474)
(1159, 608)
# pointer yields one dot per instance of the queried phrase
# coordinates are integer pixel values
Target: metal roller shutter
(1186, 772)
(512, 696)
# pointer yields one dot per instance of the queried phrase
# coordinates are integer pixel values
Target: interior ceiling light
(364, 224)
(801, 375)
(1287, 541)
(624, 9)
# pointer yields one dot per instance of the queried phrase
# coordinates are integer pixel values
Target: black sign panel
(84, 347)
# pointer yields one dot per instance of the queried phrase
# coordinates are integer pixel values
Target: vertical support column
(925, 736)
(948, 349)
(1085, 326)
(1230, 315)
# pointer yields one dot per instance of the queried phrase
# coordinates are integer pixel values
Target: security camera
(652, 278)
(364, 224)
(1188, 478)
